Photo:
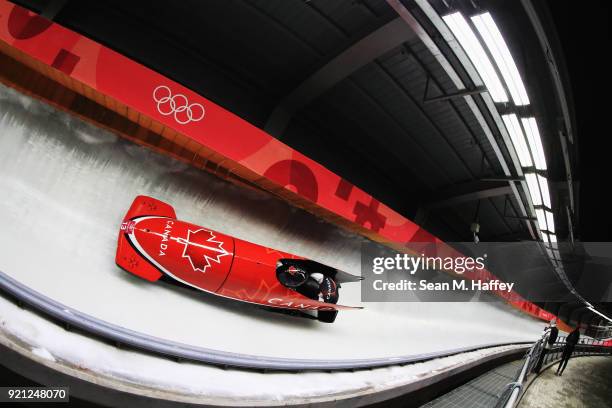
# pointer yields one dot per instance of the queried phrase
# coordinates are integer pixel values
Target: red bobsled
(153, 244)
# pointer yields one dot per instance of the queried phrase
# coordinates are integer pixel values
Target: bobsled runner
(153, 245)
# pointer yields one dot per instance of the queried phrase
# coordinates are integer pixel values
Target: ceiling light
(501, 54)
(534, 189)
(541, 218)
(468, 40)
(518, 139)
(544, 189)
(550, 222)
(535, 142)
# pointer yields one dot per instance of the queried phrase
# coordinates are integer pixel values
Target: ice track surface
(65, 186)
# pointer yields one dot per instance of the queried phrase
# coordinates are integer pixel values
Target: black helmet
(289, 275)
(329, 290)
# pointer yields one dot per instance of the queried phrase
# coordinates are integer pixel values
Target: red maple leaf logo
(201, 249)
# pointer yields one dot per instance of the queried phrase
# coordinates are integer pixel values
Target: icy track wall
(65, 186)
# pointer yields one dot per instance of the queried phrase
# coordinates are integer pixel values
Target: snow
(43, 353)
(52, 342)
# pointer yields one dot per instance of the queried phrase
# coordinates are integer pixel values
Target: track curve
(65, 187)
(168, 348)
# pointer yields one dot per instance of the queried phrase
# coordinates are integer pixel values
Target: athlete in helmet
(314, 285)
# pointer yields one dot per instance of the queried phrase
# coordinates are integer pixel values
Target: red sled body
(153, 244)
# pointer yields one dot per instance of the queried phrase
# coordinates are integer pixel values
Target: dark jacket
(572, 338)
(552, 337)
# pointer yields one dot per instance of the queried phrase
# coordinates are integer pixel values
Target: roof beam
(470, 192)
(556, 70)
(509, 237)
(372, 46)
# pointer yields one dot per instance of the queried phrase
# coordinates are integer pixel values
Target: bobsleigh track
(65, 186)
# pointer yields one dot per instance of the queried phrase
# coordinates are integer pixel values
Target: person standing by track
(570, 344)
(549, 343)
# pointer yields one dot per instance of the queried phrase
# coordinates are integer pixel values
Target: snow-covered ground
(129, 371)
(65, 186)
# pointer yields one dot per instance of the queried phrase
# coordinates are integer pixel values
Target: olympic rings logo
(177, 105)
